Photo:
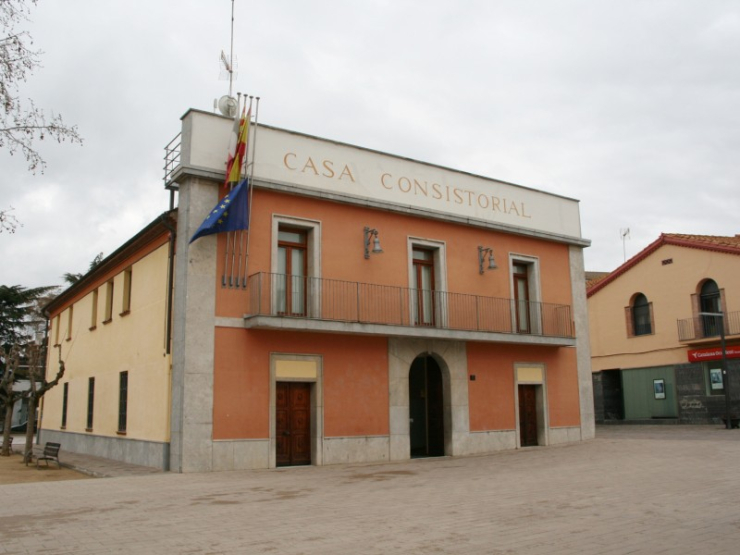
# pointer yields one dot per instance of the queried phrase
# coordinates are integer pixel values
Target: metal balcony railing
(171, 158)
(701, 327)
(346, 301)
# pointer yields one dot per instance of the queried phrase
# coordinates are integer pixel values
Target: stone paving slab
(646, 489)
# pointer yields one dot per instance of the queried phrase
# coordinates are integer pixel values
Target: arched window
(641, 315)
(710, 301)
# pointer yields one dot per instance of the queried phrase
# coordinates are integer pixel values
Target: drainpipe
(170, 279)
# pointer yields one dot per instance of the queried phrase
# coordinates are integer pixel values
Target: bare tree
(8, 222)
(21, 122)
(39, 386)
(34, 370)
(11, 362)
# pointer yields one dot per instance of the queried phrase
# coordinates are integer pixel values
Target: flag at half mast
(230, 214)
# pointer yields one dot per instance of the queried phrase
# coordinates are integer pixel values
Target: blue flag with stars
(230, 214)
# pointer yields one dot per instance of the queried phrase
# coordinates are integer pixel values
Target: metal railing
(700, 327)
(171, 158)
(346, 301)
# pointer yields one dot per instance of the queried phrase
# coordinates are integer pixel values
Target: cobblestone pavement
(639, 489)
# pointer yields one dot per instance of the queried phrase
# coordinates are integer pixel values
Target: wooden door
(293, 423)
(527, 415)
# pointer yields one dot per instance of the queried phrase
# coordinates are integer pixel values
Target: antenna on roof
(227, 104)
(625, 234)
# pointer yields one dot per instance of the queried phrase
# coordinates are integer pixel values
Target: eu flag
(230, 214)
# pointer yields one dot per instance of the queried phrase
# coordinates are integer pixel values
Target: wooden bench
(51, 453)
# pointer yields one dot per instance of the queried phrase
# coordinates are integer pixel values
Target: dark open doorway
(426, 408)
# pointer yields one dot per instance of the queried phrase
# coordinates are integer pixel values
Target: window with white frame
(526, 313)
(295, 266)
(427, 282)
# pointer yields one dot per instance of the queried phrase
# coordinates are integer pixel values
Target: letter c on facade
(285, 160)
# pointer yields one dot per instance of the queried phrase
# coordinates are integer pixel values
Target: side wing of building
(111, 330)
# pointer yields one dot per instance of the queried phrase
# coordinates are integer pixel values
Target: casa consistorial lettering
(453, 195)
(320, 168)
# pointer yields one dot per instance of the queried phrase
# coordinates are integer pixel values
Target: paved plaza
(641, 489)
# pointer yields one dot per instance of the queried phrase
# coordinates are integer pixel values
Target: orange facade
(355, 373)
(492, 401)
(342, 253)
(356, 367)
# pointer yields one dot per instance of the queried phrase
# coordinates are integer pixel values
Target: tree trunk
(6, 428)
(30, 427)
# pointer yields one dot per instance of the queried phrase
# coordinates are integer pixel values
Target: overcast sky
(630, 106)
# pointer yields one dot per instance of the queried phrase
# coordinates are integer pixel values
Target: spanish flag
(238, 152)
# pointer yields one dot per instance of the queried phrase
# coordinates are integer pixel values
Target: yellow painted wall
(133, 342)
(669, 288)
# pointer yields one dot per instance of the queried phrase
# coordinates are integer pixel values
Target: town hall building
(377, 308)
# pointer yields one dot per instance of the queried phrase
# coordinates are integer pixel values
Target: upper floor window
(292, 271)
(427, 282)
(295, 266)
(640, 316)
(55, 326)
(710, 301)
(126, 303)
(70, 319)
(108, 301)
(527, 316)
(423, 285)
(521, 297)
(94, 310)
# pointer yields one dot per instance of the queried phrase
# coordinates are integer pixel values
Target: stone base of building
(255, 454)
(133, 451)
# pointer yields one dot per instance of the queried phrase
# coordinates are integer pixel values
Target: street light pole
(725, 372)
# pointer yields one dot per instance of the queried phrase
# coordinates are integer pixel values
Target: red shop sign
(715, 353)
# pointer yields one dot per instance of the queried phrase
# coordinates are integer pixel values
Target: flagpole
(239, 233)
(231, 187)
(250, 171)
(246, 170)
(231, 53)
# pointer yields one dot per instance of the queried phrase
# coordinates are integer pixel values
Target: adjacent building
(657, 325)
(378, 308)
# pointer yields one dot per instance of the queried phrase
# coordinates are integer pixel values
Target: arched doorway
(426, 408)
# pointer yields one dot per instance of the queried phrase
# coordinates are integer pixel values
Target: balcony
(277, 301)
(698, 328)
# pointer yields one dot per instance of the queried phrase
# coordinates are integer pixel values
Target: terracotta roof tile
(717, 243)
(708, 239)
